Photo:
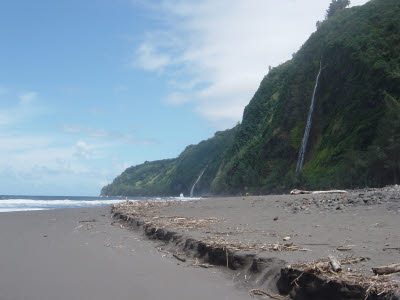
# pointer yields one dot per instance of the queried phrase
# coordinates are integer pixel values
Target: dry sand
(363, 223)
(63, 254)
(369, 229)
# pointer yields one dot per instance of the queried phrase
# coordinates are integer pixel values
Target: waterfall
(304, 142)
(198, 179)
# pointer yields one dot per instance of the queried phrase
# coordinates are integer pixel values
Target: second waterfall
(304, 142)
(198, 179)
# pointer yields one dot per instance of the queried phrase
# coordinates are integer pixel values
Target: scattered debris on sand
(331, 200)
(151, 214)
(219, 242)
(379, 284)
(235, 240)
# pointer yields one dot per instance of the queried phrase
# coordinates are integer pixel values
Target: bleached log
(330, 192)
(335, 263)
(394, 268)
(298, 192)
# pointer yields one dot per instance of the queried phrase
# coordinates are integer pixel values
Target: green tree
(335, 6)
(388, 141)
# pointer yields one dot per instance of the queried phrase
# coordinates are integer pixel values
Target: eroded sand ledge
(247, 235)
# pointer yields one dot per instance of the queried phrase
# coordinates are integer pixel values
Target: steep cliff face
(355, 134)
(171, 177)
(359, 49)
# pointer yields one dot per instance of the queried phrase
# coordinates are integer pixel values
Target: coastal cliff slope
(354, 137)
(171, 177)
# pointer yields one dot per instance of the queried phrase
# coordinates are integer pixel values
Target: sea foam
(27, 203)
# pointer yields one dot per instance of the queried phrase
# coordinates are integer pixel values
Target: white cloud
(216, 52)
(150, 59)
(358, 2)
(43, 163)
(38, 160)
(83, 150)
(106, 134)
(27, 98)
(23, 110)
(10, 143)
(177, 98)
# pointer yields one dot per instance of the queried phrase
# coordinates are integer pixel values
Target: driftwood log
(298, 192)
(179, 257)
(341, 248)
(394, 268)
(335, 263)
(269, 294)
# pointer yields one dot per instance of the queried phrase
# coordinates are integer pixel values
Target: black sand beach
(75, 254)
(86, 254)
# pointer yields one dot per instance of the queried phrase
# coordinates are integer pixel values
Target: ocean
(10, 203)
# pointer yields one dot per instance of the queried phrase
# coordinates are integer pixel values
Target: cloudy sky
(88, 88)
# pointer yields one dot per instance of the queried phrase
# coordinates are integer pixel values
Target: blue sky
(88, 88)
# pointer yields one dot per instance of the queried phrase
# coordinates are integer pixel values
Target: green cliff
(355, 134)
(171, 177)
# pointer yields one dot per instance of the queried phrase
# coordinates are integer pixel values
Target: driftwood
(394, 268)
(391, 248)
(380, 284)
(201, 265)
(206, 266)
(298, 192)
(87, 221)
(335, 263)
(264, 293)
(179, 257)
(344, 248)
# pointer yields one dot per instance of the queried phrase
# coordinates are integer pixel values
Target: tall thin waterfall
(198, 179)
(304, 142)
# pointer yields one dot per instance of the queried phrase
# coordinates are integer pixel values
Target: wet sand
(81, 254)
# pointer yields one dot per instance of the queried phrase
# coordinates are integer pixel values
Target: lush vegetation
(335, 6)
(171, 177)
(354, 139)
(355, 136)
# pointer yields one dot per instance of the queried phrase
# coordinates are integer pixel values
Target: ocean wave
(8, 204)
(20, 209)
(57, 202)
